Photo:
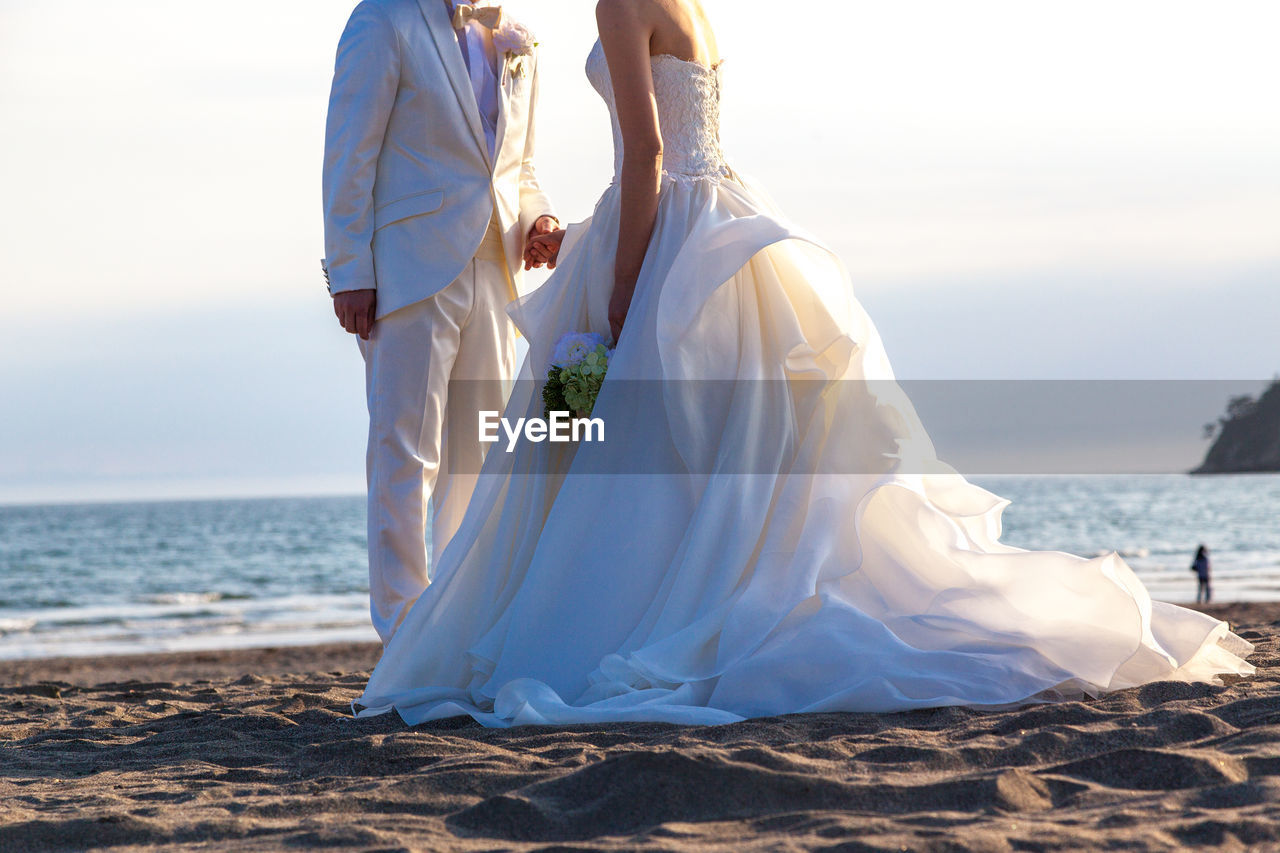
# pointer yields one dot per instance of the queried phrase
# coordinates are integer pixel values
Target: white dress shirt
(475, 40)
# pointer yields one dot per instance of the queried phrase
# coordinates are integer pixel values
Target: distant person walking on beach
(1201, 567)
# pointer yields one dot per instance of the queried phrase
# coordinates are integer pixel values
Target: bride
(775, 534)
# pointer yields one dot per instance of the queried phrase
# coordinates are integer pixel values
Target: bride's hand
(619, 305)
(543, 249)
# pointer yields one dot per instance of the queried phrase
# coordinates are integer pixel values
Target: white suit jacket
(409, 185)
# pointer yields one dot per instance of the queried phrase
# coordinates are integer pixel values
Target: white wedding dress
(765, 529)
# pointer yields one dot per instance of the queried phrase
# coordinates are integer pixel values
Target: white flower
(574, 347)
(513, 37)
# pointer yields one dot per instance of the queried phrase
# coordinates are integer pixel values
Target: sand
(256, 750)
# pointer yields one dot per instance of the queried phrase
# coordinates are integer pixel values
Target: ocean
(119, 578)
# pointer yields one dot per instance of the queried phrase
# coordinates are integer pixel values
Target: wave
(13, 626)
(1128, 553)
(188, 597)
(182, 622)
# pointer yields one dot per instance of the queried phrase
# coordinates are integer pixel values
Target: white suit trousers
(461, 335)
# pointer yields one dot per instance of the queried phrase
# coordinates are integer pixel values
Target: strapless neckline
(713, 67)
(655, 57)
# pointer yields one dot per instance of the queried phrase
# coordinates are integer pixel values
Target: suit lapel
(505, 82)
(437, 18)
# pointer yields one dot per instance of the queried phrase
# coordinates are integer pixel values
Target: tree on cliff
(1248, 435)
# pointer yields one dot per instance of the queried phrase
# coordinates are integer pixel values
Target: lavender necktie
(462, 38)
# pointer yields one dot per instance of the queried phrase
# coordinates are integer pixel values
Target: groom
(430, 200)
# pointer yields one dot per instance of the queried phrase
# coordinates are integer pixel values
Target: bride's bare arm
(625, 32)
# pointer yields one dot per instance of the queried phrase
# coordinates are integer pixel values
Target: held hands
(355, 310)
(543, 249)
(542, 245)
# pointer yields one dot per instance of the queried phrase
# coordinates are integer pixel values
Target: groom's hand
(543, 249)
(543, 226)
(355, 309)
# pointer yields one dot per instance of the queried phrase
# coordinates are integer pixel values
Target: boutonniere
(513, 40)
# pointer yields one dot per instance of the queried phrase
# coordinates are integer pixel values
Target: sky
(1020, 191)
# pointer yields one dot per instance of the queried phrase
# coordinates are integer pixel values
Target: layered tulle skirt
(765, 529)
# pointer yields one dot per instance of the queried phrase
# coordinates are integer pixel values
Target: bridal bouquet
(578, 365)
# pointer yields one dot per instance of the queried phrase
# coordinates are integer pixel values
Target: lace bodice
(688, 97)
